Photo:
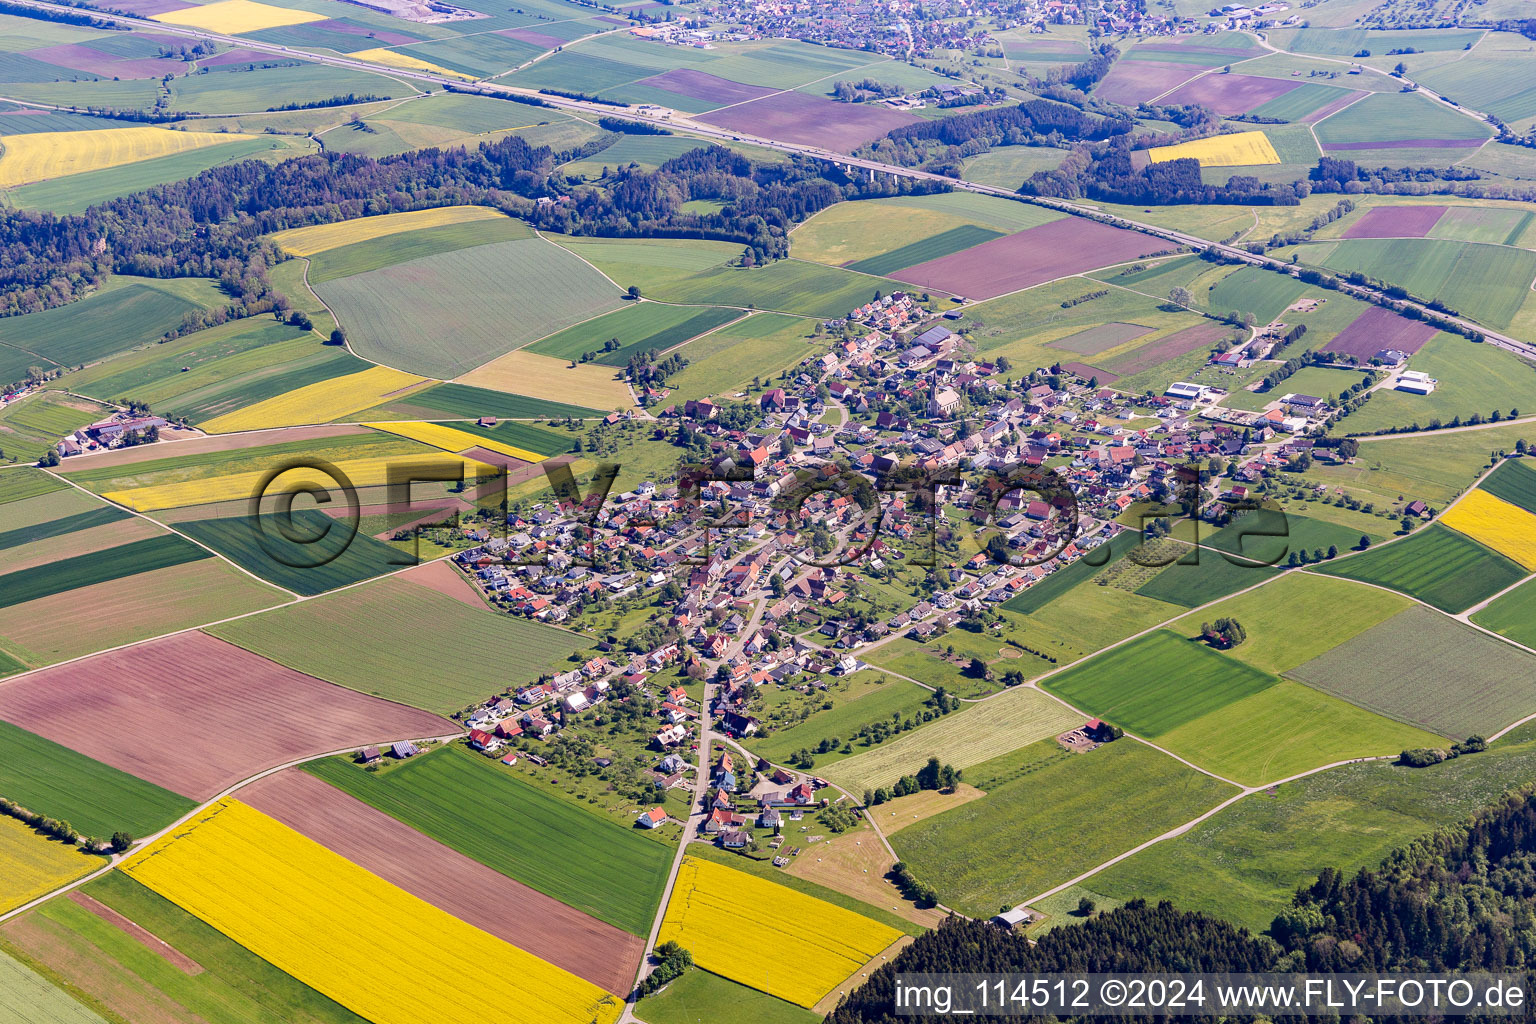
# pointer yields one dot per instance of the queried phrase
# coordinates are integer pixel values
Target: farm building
(1416, 382)
(1185, 391)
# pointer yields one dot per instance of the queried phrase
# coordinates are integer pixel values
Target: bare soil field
(697, 85)
(1099, 339)
(1171, 347)
(1378, 329)
(1230, 94)
(1135, 81)
(148, 940)
(1396, 222)
(1058, 249)
(1408, 144)
(1087, 372)
(528, 35)
(445, 579)
(447, 879)
(201, 445)
(809, 120)
(196, 715)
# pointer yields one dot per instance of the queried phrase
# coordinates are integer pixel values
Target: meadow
(1320, 381)
(1489, 283)
(285, 898)
(1010, 166)
(1245, 863)
(95, 798)
(637, 327)
(261, 545)
(414, 244)
(1263, 293)
(1431, 671)
(1199, 577)
(481, 809)
(1067, 814)
(1513, 615)
(649, 263)
(446, 314)
(320, 402)
(840, 721)
(319, 238)
(760, 346)
(698, 993)
(404, 642)
(932, 663)
(124, 561)
(126, 313)
(1508, 529)
(1396, 117)
(743, 928)
(1473, 380)
(1437, 565)
(786, 286)
(36, 865)
(1012, 719)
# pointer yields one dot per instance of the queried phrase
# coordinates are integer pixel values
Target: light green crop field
(866, 229)
(637, 327)
(1487, 282)
(1089, 616)
(1499, 83)
(1515, 482)
(1347, 42)
(1244, 863)
(1260, 292)
(1397, 117)
(850, 711)
(698, 994)
(20, 986)
(540, 839)
(1067, 814)
(1473, 379)
(444, 315)
(1011, 166)
(1437, 565)
(786, 286)
(378, 253)
(1429, 670)
(645, 152)
(649, 263)
(1300, 102)
(127, 313)
(1513, 615)
(1497, 225)
(226, 92)
(761, 346)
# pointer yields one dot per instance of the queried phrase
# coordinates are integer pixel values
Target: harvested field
(1431, 671)
(1179, 343)
(525, 373)
(1229, 94)
(450, 881)
(1098, 339)
(1058, 249)
(302, 908)
(1395, 222)
(697, 85)
(1136, 81)
(43, 155)
(166, 710)
(810, 121)
(856, 864)
(902, 811)
(1087, 372)
(1377, 329)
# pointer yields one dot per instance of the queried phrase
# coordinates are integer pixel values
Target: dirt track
(465, 888)
(195, 715)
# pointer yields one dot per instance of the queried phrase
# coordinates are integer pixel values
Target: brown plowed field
(697, 85)
(1136, 81)
(148, 940)
(1377, 329)
(528, 35)
(447, 879)
(1229, 94)
(1396, 222)
(1171, 347)
(1087, 372)
(445, 579)
(196, 715)
(1058, 249)
(810, 121)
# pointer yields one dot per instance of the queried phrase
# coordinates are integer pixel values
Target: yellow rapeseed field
(323, 237)
(55, 154)
(321, 402)
(1508, 529)
(35, 865)
(235, 16)
(450, 439)
(1239, 150)
(767, 936)
(375, 949)
(405, 62)
(371, 472)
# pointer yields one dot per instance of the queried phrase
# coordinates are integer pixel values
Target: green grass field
(262, 545)
(1067, 814)
(227, 92)
(787, 286)
(1513, 615)
(481, 809)
(125, 314)
(117, 974)
(1431, 671)
(1298, 617)
(1244, 863)
(932, 663)
(96, 798)
(1500, 85)
(1090, 616)
(1495, 225)
(760, 346)
(405, 643)
(839, 722)
(1474, 379)
(637, 327)
(35, 424)
(1318, 381)
(1487, 282)
(642, 152)
(61, 527)
(1261, 292)
(934, 247)
(1437, 565)
(699, 995)
(104, 566)
(1397, 117)
(450, 400)
(1434, 467)
(1011, 166)
(1157, 683)
(18, 483)
(1198, 578)
(1269, 535)
(444, 315)
(378, 253)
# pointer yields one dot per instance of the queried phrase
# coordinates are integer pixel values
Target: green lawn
(126, 560)
(406, 643)
(1157, 683)
(1437, 565)
(481, 809)
(96, 798)
(1067, 814)
(700, 996)
(1430, 671)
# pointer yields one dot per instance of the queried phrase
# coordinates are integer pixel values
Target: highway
(674, 120)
